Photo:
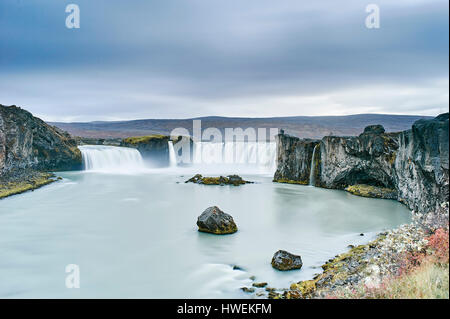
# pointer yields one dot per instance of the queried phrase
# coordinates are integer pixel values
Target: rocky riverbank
(15, 183)
(30, 149)
(368, 265)
(411, 167)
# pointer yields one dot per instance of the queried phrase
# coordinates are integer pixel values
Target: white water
(111, 159)
(172, 155)
(312, 178)
(259, 155)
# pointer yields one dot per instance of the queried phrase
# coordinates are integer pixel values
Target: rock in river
(234, 180)
(215, 221)
(283, 260)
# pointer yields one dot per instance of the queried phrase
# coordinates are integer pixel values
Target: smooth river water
(134, 235)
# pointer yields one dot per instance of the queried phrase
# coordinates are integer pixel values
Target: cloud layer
(185, 58)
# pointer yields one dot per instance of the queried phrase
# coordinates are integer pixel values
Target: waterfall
(260, 155)
(312, 173)
(111, 159)
(172, 156)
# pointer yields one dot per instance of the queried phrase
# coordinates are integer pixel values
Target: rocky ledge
(372, 191)
(15, 183)
(29, 148)
(234, 180)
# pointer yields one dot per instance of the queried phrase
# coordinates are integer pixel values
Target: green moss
(371, 191)
(14, 188)
(306, 287)
(230, 229)
(290, 181)
(144, 139)
(221, 180)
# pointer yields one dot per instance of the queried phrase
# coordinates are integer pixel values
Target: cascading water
(312, 173)
(259, 155)
(172, 156)
(111, 159)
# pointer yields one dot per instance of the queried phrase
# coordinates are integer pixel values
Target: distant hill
(301, 126)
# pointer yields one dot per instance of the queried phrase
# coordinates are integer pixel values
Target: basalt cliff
(28, 143)
(410, 166)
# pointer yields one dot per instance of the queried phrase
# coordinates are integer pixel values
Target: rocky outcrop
(412, 164)
(234, 180)
(421, 168)
(18, 182)
(372, 191)
(99, 141)
(283, 260)
(215, 221)
(27, 142)
(153, 148)
(294, 158)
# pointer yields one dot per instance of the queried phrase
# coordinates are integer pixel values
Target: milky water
(134, 234)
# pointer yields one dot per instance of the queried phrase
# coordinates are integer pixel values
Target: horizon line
(239, 117)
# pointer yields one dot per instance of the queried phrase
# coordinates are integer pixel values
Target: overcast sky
(251, 58)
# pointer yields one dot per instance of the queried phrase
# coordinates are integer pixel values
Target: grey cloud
(199, 57)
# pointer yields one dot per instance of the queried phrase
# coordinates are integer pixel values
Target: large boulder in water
(283, 260)
(215, 221)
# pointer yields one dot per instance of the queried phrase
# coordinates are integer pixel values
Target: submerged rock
(234, 180)
(283, 260)
(215, 221)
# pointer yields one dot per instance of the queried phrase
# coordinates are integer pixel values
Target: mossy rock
(18, 187)
(290, 181)
(215, 221)
(306, 287)
(144, 139)
(372, 191)
(234, 180)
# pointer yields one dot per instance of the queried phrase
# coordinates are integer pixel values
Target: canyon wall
(26, 142)
(413, 163)
(294, 158)
(153, 148)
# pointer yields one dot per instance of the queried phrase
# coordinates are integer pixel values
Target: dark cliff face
(421, 167)
(294, 157)
(414, 163)
(365, 159)
(153, 148)
(27, 142)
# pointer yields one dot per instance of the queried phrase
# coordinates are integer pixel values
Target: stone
(374, 129)
(234, 180)
(27, 142)
(248, 290)
(215, 221)
(283, 260)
